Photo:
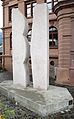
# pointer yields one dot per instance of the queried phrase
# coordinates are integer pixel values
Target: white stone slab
(40, 47)
(20, 48)
(42, 102)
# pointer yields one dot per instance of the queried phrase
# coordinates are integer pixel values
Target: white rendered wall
(20, 48)
(40, 47)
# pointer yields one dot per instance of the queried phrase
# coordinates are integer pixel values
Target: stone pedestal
(42, 102)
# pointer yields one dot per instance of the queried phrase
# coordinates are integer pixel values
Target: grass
(6, 112)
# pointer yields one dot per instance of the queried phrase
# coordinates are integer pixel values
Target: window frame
(52, 33)
(11, 41)
(29, 35)
(52, 2)
(31, 12)
(10, 11)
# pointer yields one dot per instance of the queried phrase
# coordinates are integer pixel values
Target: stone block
(20, 48)
(40, 47)
(62, 75)
(42, 102)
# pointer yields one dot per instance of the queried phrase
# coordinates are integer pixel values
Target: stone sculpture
(20, 48)
(40, 47)
(44, 101)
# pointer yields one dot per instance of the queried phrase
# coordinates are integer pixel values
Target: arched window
(29, 35)
(52, 63)
(53, 37)
(11, 40)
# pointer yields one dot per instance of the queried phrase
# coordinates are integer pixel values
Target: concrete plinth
(42, 102)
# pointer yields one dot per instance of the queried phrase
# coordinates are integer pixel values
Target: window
(53, 37)
(11, 40)
(10, 11)
(30, 60)
(52, 63)
(51, 4)
(30, 9)
(29, 35)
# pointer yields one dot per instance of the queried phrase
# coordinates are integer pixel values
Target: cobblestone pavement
(12, 110)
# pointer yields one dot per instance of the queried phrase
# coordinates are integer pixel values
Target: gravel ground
(10, 109)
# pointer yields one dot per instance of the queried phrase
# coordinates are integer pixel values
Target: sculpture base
(43, 102)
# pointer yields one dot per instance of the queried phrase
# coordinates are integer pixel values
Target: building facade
(61, 37)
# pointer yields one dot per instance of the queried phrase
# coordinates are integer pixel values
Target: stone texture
(65, 42)
(72, 53)
(62, 73)
(20, 48)
(23, 113)
(40, 1)
(40, 47)
(44, 102)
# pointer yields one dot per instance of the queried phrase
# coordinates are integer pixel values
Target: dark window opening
(30, 9)
(10, 11)
(52, 63)
(51, 4)
(53, 37)
(29, 35)
(11, 40)
(30, 61)
(70, 102)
